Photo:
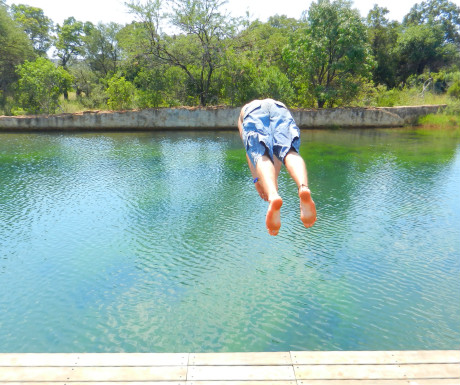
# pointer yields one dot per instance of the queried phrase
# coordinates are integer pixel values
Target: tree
(254, 65)
(85, 80)
(237, 78)
(161, 85)
(263, 43)
(274, 83)
(442, 13)
(15, 48)
(37, 26)
(383, 35)
(199, 46)
(242, 80)
(422, 47)
(101, 49)
(330, 57)
(69, 42)
(40, 84)
(152, 85)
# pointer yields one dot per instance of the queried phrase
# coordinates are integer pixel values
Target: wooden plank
(93, 374)
(432, 381)
(240, 373)
(376, 357)
(98, 383)
(267, 382)
(167, 383)
(93, 359)
(240, 359)
(369, 372)
(302, 382)
(311, 368)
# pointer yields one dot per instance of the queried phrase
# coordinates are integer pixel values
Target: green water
(155, 242)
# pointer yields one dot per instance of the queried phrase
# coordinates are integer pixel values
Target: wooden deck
(284, 368)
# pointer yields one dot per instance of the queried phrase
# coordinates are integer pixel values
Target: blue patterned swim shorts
(268, 127)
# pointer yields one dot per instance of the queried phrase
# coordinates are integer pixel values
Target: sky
(115, 10)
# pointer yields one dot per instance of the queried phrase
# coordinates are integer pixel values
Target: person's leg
(268, 177)
(297, 169)
(277, 164)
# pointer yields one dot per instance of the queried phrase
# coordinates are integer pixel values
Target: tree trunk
(203, 99)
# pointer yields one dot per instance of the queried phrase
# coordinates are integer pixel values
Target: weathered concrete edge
(212, 119)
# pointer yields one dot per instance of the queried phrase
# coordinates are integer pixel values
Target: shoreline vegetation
(331, 57)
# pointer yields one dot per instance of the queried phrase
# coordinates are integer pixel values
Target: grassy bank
(448, 118)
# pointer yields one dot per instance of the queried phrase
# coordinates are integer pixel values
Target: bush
(454, 90)
(120, 92)
(40, 84)
(272, 83)
(97, 99)
(388, 98)
(151, 87)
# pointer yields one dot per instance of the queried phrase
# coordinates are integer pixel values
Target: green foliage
(390, 98)
(449, 117)
(69, 42)
(101, 49)
(197, 50)
(422, 47)
(454, 88)
(263, 43)
(383, 35)
(237, 79)
(97, 99)
(152, 87)
(40, 85)
(273, 83)
(120, 92)
(440, 120)
(37, 26)
(84, 78)
(15, 48)
(453, 108)
(160, 86)
(330, 56)
(442, 14)
(243, 82)
(420, 90)
(190, 52)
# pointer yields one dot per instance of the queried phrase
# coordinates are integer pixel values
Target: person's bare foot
(307, 207)
(273, 220)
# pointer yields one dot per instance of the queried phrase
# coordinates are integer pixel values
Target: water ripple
(156, 242)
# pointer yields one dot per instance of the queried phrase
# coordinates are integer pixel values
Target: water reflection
(155, 242)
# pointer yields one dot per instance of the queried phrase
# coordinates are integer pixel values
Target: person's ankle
(303, 187)
(274, 197)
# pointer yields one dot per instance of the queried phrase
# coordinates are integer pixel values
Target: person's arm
(255, 177)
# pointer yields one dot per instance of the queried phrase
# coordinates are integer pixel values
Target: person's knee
(291, 154)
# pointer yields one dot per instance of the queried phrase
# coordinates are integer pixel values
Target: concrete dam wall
(212, 118)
